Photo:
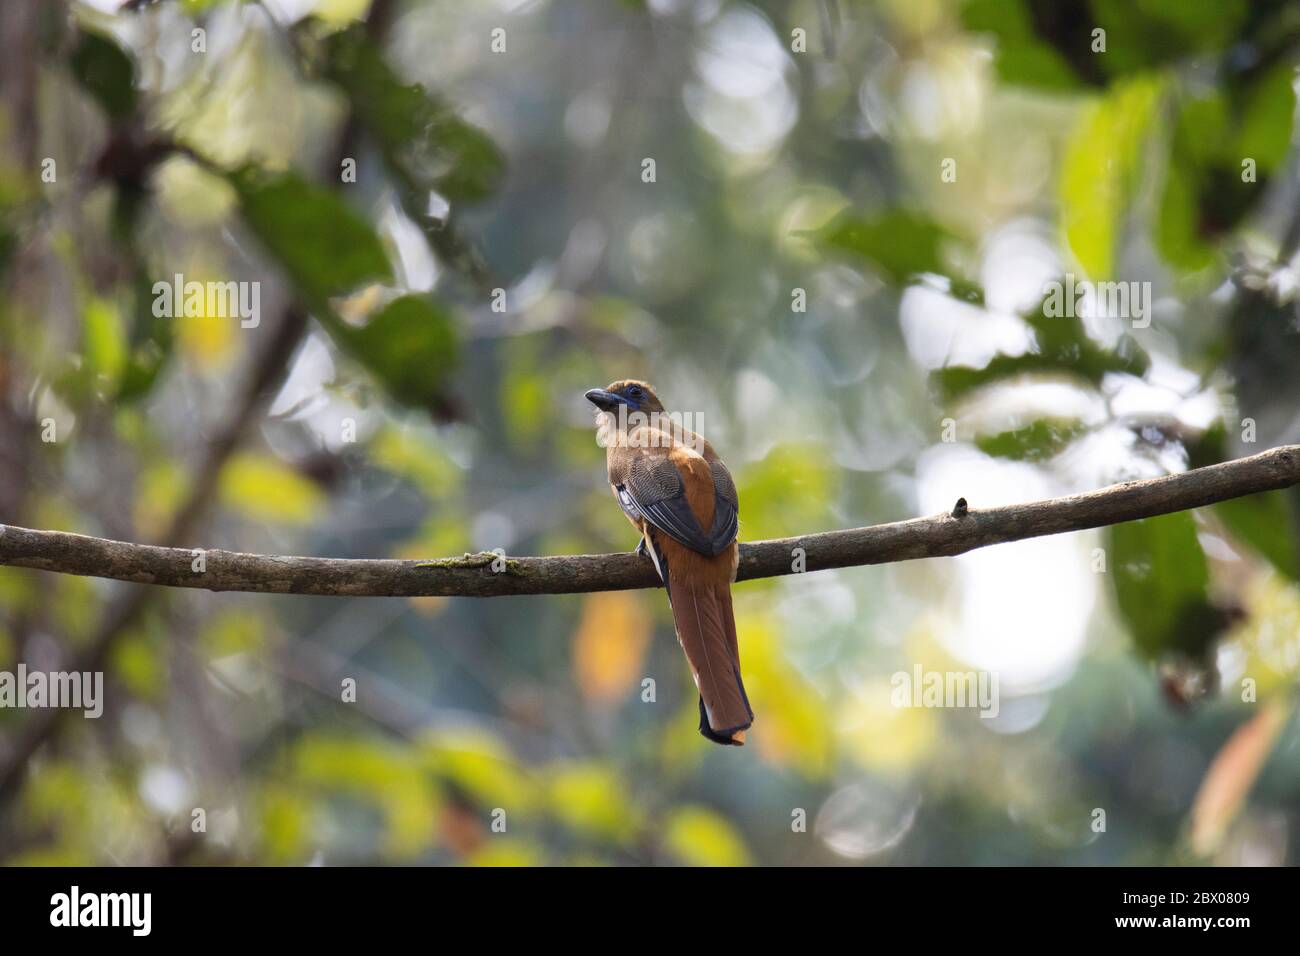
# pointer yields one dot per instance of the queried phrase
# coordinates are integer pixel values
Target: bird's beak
(605, 401)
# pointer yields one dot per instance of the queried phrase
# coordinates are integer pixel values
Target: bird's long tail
(706, 628)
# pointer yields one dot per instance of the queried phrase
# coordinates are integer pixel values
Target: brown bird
(678, 494)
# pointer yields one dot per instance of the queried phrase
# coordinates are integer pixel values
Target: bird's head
(637, 396)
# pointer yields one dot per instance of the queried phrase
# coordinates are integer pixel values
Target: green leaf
(1036, 442)
(1147, 34)
(1201, 189)
(1161, 583)
(1268, 106)
(899, 243)
(106, 72)
(1021, 57)
(1205, 193)
(1209, 448)
(147, 358)
(1266, 522)
(1064, 338)
(325, 247)
(1063, 350)
(956, 381)
(1099, 171)
(1053, 44)
(422, 139)
(1178, 231)
(410, 346)
(105, 339)
(1269, 522)
(8, 243)
(1035, 64)
(138, 664)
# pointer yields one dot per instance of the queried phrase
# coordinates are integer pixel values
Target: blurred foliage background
(839, 263)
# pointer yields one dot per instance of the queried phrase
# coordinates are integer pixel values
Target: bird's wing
(654, 490)
(726, 513)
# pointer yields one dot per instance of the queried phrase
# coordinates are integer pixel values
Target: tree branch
(484, 575)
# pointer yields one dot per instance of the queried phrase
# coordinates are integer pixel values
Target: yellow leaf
(233, 632)
(340, 12)
(430, 605)
(700, 837)
(47, 856)
(503, 852)
(208, 340)
(481, 765)
(390, 777)
(610, 645)
(1266, 635)
(786, 492)
(881, 736)
(412, 814)
(792, 728)
(207, 323)
(592, 798)
(191, 195)
(355, 765)
(265, 489)
(423, 463)
(161, 487)
(285, 824)
(1231, 775)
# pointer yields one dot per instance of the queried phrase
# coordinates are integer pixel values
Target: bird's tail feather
(706, 628)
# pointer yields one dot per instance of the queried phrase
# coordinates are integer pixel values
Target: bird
(679, 495)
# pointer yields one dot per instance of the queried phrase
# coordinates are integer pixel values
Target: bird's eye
(635, 391)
